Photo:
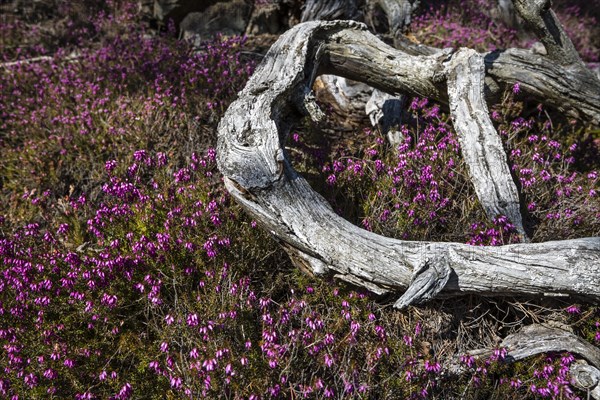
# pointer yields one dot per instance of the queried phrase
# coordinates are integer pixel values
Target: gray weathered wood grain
(251, 156)
(537, 339)
(480, 143)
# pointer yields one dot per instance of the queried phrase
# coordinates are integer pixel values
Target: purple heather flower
(140, 155)
(194, 353)
(209, 365)
(573, 309)
(432, 367)
(125, 391)
(175, 382)
(62, 229)
(516, 88)
(110, 165)
(515, 383)
(469, 361)
(418, 329)
(499, 354)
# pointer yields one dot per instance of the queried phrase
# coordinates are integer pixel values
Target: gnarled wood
(537, 339)
(540, 18)
(586, 377)
(251, 156)
(385, 112)
(412, 69)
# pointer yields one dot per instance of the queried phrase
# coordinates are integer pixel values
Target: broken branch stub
(251, 156)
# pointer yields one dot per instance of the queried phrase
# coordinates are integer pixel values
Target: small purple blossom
(516, 89)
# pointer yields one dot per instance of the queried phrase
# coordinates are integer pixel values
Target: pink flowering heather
(126, 271)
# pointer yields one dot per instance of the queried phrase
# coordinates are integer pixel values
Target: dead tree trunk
(506, 12)
(398, 14)
(251, 156)
(252, 137)
(539, 338)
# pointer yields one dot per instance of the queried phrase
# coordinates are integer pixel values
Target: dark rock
(265, 19)
(164, 11)
(227, 18)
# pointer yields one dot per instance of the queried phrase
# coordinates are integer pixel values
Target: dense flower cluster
(475, 24)
(420, 189)
(133, 90)
(453, 24)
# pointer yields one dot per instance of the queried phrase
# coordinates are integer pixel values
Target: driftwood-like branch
(571, 91)
(73, 57)
(537, 339)
(574, 91)
(542, 20)
(480, 143)
(251, 156)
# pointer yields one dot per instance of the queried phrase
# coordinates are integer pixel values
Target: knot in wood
(584, 376)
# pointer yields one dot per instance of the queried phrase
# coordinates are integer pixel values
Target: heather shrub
(463, 24)
(421, 189)
(127, 271)
(471, 24)
(63, 117)
(94, 313)
(34, 29)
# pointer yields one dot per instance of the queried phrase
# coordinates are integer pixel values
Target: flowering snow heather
(470, 24)
(421, 191)
(126, 271)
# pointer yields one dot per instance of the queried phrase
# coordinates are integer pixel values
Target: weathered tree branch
(412, 69)
(542, 20)
(536, 339)
(480, 144)
(257, 172)
(251, 157)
